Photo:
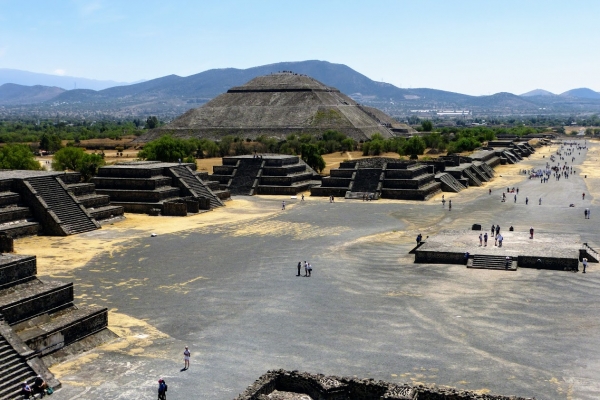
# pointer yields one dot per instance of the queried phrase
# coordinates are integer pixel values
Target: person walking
(186, 358)
(583, 196)
(588, 213)
(531, 232)
(490, 192)
(515, 198)
(584, 262)
(162, 389)
(449, 205)
(540, 201)
(302, 198)
(485, 237)
(493, 229)
(480, 240)
(497, 230)
(283, 205)
(299, 266)
(526, 200)
(443, 203)
(500, 239)
(585, 213)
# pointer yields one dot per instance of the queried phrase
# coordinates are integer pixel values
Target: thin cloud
(89, 8)
(60, 72)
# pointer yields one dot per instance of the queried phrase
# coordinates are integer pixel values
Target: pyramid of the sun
(277, 105)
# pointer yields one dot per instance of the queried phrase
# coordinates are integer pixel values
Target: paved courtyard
(229, 292)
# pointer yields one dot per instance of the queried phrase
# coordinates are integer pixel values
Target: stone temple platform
(554, 250)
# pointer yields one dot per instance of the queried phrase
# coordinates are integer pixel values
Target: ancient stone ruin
(277, 105)
(265, 174)
(50, 203)
(154, 187)
(37, 320)
(379, 177)
(321, 387)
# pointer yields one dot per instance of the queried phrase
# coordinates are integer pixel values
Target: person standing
(585, 213)
(490, 192)
(515, 198)
(583, 196)
(480, 240)
(299, 266)
(493, 229)
(584, 262)
(531, 232)
(283, 205)
(485, 237)
(540, 201)
(443, 203)
(419, 238)
(497, 230)
(305, 268)
(588, 213)
(186, 358)
(309, 270)
(526, 200)
(302, 198)
(449, 205)
(500, 239)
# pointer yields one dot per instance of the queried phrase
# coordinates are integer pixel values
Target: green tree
(151, 122)
(76, 159)
(169, 149)
(414, 146)
(311, 156)
(50, 142)
(427, 125)
(18, 156)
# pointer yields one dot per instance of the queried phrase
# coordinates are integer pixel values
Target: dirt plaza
(223, 283)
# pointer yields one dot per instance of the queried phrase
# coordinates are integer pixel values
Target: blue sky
(473, 47)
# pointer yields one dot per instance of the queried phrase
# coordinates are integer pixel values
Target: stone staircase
(97, 205)
(473, 180)
(16, 219)
(480, 261)
(366, 180)
(449, 183)
(246, 172)
(72, 217)
(590, 252)
(196, 187)
(15, 370)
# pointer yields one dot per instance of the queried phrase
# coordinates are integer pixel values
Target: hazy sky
(473, 47)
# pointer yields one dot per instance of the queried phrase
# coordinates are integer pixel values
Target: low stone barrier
(321, 387)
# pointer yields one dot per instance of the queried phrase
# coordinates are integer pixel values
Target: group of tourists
(307, 269)
(444, 203)
(39, 385)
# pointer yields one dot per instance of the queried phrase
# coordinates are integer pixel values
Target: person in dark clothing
(299, 266)
(419, 238)
(162, 389)
(26, 391)
(39, 385)
(497, 229)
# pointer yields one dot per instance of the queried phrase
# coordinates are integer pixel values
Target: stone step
(9, 198)
(14, 369)
(51, 332)
(14, 213)
(81, 189)
(106, 212)
(94, 200)
(16, 229)
(30, 299)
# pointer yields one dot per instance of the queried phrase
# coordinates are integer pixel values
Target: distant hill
(538, 92)
(12, 94)
(66, 82)
(172, 95)
(581, 93)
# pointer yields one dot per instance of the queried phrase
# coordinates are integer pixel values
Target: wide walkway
(230, 293)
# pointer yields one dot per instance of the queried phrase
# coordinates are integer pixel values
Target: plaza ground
(224, 284)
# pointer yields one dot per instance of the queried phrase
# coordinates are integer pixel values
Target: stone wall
(554, 263)
(439, 257)
(22, 267)
(321, 387)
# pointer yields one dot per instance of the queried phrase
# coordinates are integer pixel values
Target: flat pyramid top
(282, 81)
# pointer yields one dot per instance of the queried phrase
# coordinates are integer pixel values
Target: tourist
(583, 196)
(26, 391)
(588, 213)
(584, 262)
(186, 358)
(496, 240)
(497, 229)
(443, 203)
(302, 199)
(480, 240)
(485, 238)
(39, 385)
(299, 266)
(515, 198)
(540, 201)
(490, 192)
(531, 232)
(526, 200)
(585, 213)
(493, 229)
(419, 238)
(500, 239)
(449, 205)
(517, 190)
(162, 389)
(283, 205)
(507, 263)
(305, 268)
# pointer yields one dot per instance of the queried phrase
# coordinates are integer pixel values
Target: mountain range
(172, 95)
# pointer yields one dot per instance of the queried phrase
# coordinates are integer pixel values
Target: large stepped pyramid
(38, 318)
(152, 187)
(272, 174)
